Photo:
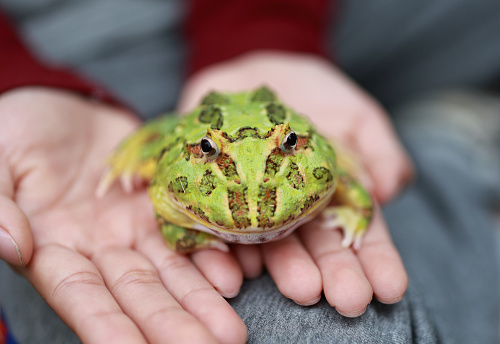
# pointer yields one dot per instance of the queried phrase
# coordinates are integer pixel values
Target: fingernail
(309, 302)
(9, 249)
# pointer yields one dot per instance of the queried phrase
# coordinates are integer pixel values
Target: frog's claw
(105, 183)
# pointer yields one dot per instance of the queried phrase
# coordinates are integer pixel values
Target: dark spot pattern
(274, 162)
(208, 183)
(294, 176)
(198, 212)
(276, 113)
(179, 185)
(238, 206)
(212, 115)
(187, 242)
(309, 202)
(247, 132)
(322, 172)
(263, 94)
(226, 165)
(214, 98)
(266, 206)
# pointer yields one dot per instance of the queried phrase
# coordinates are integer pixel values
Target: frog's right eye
(209, 148)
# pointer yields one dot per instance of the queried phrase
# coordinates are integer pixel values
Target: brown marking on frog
(266, 206)
(208, 183)
(294, 176)
(239, 207)
(226, 165)
(198, 212)
(194, 149)
(274, 162)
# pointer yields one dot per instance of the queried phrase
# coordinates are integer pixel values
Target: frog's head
(251, 169)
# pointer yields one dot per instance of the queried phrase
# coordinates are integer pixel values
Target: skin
(101, 264)
(121, 280)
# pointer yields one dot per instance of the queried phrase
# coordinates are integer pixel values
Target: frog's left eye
(289, 142)
(209, 148)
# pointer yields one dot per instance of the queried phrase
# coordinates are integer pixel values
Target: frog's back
(238, 114)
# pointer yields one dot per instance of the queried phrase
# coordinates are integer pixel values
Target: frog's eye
(289, 142)
(209, 148)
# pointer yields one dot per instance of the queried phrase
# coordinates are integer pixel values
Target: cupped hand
(101, 264)
(312, 260)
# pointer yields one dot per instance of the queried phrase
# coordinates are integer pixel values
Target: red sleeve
(19, 68)
(221, 29)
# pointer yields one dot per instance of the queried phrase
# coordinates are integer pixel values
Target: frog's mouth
(256, 235)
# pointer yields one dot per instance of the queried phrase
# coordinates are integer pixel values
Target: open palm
(312, 260)
(99, 263)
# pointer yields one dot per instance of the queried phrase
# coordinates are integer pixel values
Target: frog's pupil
(291, 140)
(206, 147)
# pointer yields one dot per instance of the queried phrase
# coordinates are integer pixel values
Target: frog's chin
(254, 235)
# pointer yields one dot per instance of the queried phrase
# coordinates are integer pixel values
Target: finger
(16, 241)
(382, 263)
(382, 154)
(135, 284)
(73, 287)
(192, 291)
(345, 286)
(292, 269)
(250, 259)
(221, 270)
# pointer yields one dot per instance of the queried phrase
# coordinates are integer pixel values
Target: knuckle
(196, 293)
(80, 279)
(162, 314)
(174, 262)
(133, 278)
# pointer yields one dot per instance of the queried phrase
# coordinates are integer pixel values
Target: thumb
(16, 241)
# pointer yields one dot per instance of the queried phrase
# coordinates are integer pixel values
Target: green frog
(241, 168)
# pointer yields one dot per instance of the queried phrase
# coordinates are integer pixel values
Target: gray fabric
(272, 318)
(442, 224)
(397, 48)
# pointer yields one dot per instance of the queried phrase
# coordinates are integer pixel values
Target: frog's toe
(107, 179)
(127, 182)
(353, 225)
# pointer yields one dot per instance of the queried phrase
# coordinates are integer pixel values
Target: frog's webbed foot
(185, 240)
(352, 222)
(351, 210)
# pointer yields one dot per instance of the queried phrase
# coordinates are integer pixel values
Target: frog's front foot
(353, 223)
(185, 240)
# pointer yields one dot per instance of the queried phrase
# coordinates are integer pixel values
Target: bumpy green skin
(252, 191)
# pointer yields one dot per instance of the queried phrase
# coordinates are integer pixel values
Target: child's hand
(312, 260)
(101, 264)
